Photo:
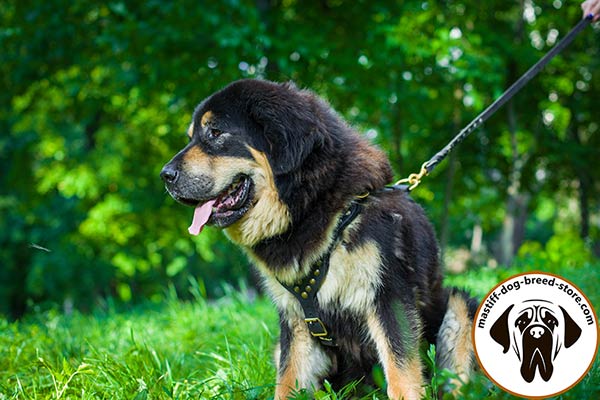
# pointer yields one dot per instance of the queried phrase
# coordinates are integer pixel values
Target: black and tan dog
(279, 170)
(537, 331)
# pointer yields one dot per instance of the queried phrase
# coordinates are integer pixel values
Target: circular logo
(535, 335)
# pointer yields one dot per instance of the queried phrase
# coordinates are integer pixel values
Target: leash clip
(413, 180)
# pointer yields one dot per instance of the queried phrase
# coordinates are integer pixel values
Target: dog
(300, 191)
(537, 330)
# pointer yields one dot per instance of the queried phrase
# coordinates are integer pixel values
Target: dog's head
(536, 330)
(247, 143)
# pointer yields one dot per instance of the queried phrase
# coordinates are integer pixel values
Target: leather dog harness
(306, 289)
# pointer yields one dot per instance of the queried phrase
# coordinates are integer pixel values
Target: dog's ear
(500, 332)
(289, 122)
(572, 330)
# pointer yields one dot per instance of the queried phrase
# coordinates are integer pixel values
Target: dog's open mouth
(227, 208)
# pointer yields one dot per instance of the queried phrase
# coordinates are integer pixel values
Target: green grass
(192, 350)
(179, 351)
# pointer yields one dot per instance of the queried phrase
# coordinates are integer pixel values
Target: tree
(97, 97)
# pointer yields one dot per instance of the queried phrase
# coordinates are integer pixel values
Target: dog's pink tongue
(201, 216)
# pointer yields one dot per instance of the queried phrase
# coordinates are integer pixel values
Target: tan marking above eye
(207, 117)
(190, 130)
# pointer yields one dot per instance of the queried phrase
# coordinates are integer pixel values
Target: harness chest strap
(306, 289)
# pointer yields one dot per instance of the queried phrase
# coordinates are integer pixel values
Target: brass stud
(304, 295)
(308, 288)
(297, 289)
(317, 272)
(312, 281)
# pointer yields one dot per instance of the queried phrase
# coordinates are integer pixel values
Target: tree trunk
(477, 238)
(507, 239)
(585, 183)
(522, 203)
(515, 202)
(397, 134)
(444, 223)
(449, 187)
(584, 206)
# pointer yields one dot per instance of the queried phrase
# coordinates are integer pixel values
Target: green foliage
(96, 97)
(440, 379)
(566, 249)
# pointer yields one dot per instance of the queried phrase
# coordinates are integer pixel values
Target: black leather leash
(413, 180)
(306, 289)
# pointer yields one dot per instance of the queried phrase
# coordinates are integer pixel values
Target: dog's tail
(454, 347)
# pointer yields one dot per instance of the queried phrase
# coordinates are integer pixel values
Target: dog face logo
(536, 335)
(536, 330)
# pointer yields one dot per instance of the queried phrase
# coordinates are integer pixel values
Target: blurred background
(96, 96)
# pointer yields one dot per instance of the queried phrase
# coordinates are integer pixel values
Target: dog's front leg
(398, 355)
(301, 361)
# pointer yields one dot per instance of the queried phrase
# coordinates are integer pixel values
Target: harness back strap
(306, 289)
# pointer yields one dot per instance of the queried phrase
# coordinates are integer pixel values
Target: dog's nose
(536, 332)
(169, 174)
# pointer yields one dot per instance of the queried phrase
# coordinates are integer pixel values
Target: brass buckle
(319, 335)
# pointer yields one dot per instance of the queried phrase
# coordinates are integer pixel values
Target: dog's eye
(214, 133)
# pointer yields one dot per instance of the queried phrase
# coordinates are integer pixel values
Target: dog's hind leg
(454, 348)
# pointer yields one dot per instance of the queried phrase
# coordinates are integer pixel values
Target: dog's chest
(353, 278)
(351, 283)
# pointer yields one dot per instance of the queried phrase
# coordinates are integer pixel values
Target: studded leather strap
(306, 289)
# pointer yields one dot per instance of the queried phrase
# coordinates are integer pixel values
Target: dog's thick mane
(327, 165)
